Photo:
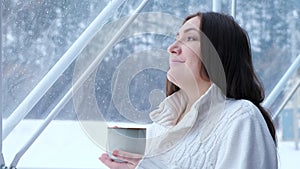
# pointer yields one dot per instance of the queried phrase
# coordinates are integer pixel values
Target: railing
(286, 100)
(296, 115)
(281, 84)
(278, 89)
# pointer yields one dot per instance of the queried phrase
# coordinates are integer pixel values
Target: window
(47, 45)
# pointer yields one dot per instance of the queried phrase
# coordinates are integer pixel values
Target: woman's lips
(177, 61)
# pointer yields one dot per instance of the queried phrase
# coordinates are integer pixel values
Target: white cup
(131, 140)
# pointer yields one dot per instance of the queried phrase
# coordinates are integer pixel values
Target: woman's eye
(190, 38)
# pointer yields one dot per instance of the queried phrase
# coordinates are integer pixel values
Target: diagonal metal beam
(286, 100)
(282, 82)
(84, 76)
(62, 64)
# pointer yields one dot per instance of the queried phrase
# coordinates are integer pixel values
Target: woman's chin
(171, 77)
(175, 80)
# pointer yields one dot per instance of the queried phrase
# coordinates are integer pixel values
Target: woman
(212, 117)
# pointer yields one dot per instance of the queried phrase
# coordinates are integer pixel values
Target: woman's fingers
(127, 154)
(105, 159)
(130, 160)
(129, 157)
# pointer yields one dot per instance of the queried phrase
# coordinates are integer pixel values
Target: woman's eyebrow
(189, 29)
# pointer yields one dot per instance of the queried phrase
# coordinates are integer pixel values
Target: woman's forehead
(193, 23)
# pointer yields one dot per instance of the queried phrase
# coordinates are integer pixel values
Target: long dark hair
(232, 45)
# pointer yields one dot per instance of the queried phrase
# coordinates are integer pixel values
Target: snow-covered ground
(64, 145)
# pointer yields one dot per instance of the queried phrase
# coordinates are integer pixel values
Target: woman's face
(185, 63)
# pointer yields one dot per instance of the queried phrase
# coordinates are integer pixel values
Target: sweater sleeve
(155, 163)
(247, 144)
(151, 163)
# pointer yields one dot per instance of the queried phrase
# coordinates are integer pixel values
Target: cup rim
(129, 128)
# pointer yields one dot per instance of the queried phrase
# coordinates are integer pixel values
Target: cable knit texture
(170, 109)
(216, 133)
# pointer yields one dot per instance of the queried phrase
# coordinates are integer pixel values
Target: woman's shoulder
(243, 134)
(236, 110)
(241, 117)
(241, 106)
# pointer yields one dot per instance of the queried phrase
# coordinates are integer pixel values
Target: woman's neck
(194, 94)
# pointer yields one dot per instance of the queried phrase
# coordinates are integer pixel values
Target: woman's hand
(131, 160)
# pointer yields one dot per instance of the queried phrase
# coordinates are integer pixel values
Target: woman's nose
(174, 48)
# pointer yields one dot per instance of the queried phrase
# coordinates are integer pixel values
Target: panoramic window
(66, 64)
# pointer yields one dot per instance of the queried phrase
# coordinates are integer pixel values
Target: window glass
(273, 28)
(128, 79)
(35, 35)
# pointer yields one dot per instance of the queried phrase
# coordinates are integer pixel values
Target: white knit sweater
(216, 133)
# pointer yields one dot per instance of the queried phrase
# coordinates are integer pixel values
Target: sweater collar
(203, 116)
(174, 105)
(170, 109)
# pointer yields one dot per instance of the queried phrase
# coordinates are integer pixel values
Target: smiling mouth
(177, 61)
